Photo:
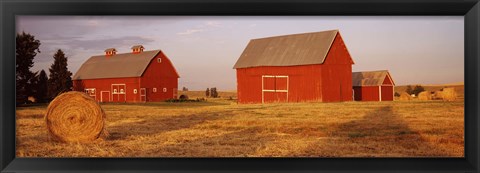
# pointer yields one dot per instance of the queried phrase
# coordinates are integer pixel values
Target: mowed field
(222, 128)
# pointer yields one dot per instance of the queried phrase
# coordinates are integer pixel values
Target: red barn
(138, 76)
(295, 68)
(373, 86)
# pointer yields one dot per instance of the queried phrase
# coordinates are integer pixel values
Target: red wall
(371, 93)
(106, 85)
(387, 93)
(337, 73)
(157, 75)
(366, 93)
(304, 83)
(160, 75)
(328, 82)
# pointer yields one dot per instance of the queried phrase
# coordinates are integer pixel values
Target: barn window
(135, 91)
(114, 90)
(164, 89)
(121, 91)
(159, 60)
(154, 90)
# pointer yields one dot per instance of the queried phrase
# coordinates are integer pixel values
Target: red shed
(138, 76)
(373, 86)
(295, 68)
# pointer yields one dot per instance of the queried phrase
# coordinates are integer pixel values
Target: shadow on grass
(241, 143)
(380, 133)
(154, 125)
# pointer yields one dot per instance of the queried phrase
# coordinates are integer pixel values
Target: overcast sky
(416, 50)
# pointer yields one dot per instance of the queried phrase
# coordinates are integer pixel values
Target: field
(221, 128)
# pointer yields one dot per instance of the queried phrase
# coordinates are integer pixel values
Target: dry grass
(222, 128)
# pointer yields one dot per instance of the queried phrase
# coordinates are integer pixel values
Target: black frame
(470, 9)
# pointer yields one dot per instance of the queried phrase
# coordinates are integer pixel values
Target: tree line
(37, 84)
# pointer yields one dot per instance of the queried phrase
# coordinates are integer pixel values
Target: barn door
(274, 88)
(105, 96)
(119, 93)
(143, 94)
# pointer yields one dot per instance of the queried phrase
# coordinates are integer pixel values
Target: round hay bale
(75, 117)
(449, 94)
(424, 95)
(405, 96)
(438, 95)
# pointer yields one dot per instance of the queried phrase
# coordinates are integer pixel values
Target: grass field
(222, 128)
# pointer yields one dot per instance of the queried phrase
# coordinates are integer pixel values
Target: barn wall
(387, 93)
(106, 85)
(160, 75)
(366, 93)
(328, 82)
(304, 83)
(387, 81)
(337, 73)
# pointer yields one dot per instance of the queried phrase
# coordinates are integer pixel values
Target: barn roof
(115, 66)
(287, 50)
(370, 78)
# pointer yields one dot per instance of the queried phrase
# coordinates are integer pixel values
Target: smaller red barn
(373, 86)
(136, 76)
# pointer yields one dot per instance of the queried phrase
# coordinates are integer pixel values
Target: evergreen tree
(60, 78)
(42, 87)
(27, 48)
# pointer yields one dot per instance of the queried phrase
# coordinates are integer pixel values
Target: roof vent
(137, 49)
(110, 51)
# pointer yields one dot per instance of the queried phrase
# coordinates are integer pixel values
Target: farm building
(138, 76)
(373, 86)
(295, 68)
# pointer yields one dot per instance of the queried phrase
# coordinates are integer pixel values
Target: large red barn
(138, 76)
(295, 68)
(373, 86)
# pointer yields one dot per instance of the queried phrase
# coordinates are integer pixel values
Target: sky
(203, 49)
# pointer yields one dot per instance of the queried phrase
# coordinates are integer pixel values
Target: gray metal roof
(115, 66)
(287, 50)
(137, 46)
(110, 49)
(370, 78)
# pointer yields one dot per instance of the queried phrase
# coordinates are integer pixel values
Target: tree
(27, 48)
(207, 93)
(60, 78)
(213, 92)
(418, 89)
(41, 87)
(409, 89)
(184, 89)
(397, 94)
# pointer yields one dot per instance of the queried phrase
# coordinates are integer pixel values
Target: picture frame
(470, 9)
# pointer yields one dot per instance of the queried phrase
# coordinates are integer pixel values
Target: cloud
(207, 26)
(212, 24)
(190, 31)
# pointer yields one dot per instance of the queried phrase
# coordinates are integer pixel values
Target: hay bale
(424, 95)
(438, 95)
(405, 96)
(449, 94)
(75, 117)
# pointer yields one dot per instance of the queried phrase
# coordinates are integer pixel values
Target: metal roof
(287, 50)
(115, 66)
(110, 49)
(370, 78)
(137, 46)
